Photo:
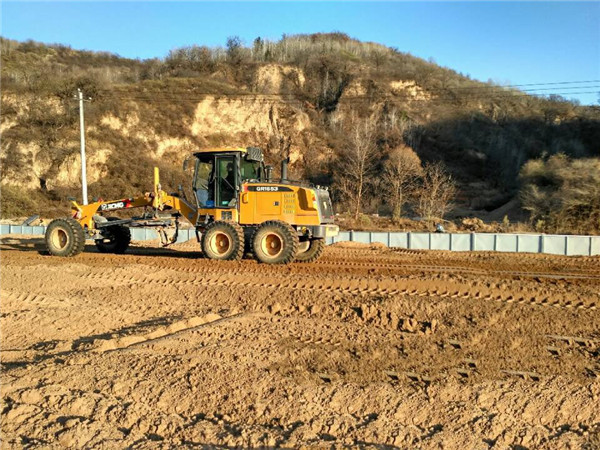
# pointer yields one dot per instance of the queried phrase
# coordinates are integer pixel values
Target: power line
(497, 87)
(257, 95)
(190, 95)
(261, 98)
(510, 86)
(266, 96)
(553, 83)
(559, 88)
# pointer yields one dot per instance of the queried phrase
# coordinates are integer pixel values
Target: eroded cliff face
(47, 154)
(40, 148)
(274, 78)
(279, 127)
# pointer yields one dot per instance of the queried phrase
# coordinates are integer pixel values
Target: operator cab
(219, 173)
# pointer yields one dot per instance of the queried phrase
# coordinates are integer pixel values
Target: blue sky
(508, 42)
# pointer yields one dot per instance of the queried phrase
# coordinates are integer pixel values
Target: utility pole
(83, 163)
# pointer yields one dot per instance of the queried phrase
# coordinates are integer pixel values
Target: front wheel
(310, 250)
(275, 242)
(65, 237)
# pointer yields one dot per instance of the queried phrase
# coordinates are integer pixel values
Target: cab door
(203, 183)
(226, 182)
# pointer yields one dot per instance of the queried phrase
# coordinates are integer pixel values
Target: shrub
(562, 194)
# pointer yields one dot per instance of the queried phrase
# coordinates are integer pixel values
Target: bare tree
(235, 50)
(258, 48)
(357, 163)
(400, 177)
(437, 192)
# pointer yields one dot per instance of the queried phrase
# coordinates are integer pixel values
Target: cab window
(226, 185)
(203, 184)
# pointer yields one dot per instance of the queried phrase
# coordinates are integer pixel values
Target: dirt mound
(359, 245)
(511, 210)
(162, 348)
(475, 224)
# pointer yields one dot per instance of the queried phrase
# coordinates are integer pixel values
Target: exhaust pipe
(284, 169)
(269, 173)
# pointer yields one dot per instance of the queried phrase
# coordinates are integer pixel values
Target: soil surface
(369, 347)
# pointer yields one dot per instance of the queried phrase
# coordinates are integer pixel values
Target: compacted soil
(368, 347)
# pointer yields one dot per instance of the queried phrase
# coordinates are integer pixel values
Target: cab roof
(222, 149)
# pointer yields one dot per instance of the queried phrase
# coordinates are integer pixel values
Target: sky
(508, 42)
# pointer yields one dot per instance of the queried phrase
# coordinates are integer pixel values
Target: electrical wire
(443, 94)
(444, 89)
(184, 97)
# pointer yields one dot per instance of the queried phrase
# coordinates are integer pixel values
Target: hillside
(302, 95)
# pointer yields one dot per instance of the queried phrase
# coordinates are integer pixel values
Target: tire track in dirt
(31, 298)
(499, 261)
(401, 267)
(346, 286)
(435, 257)
(467, 368)
(459, 269)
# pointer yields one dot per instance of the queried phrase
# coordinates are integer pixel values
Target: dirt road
(160, 348)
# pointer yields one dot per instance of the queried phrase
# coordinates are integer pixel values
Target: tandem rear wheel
(310, 250)
(275, 242)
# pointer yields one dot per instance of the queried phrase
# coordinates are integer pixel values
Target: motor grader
(236, 207)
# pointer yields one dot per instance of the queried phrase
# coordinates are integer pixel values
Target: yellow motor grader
(236, 207)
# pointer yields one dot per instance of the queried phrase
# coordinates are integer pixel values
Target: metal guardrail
(461, 242)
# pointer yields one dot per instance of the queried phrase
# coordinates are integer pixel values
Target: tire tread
(290, 241)
(313, 253)
(122, 239)
(75, 233)
(236, 231)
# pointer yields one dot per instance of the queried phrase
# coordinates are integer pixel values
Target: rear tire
(275, 242)
(119, 238)
(310, 250)
(65, 237)
(223, 241)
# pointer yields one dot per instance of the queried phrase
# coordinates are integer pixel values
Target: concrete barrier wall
(137, 234)
(461, 242)
(464, 242)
